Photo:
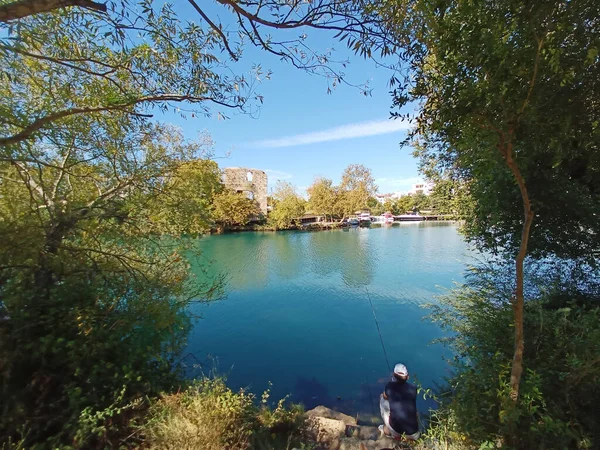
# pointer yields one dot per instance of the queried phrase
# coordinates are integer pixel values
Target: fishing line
(379, 331)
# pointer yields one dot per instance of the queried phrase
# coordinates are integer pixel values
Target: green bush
(210, 416)
(76, 364)
(560, 388)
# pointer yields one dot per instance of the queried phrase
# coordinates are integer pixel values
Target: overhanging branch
(40, 123)
(25, 8)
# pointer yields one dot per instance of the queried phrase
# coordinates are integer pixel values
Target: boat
(410, 217)
(388, 218)
(365, 219)
(353, 222)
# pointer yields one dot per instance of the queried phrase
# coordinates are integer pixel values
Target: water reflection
(360, 260)
(251, 262)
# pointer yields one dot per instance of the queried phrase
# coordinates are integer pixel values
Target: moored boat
(365, 219)
(410, 217)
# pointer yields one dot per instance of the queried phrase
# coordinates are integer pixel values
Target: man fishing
(398, 406)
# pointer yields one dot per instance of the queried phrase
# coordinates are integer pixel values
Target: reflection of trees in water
(242, 257)
(286, 254)
(249, 258)
(323, 251)
(359, 261)
(347, 253)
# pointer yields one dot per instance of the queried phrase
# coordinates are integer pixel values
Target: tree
(95, 300)
(288, 206)
(450, 197)
(146, 56)
(322, 197)
(356, 187)
(375, 207)
(508, 95)
(232, 208)
(388, 205)
(187, 202)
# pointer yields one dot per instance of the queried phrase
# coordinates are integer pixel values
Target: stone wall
(253, 182)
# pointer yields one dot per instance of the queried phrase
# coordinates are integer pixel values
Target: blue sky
(302, 132)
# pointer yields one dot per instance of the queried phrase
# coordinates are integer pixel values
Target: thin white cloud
(350, 131)
(278, 174)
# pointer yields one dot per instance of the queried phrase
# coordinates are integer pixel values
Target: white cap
(400, 369)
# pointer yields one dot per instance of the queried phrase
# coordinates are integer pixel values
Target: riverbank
(210, 416)
(321, 226)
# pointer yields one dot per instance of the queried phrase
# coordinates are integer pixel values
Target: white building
(417, 188)
(421, 188)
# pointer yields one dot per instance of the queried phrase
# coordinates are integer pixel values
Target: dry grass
(206, 416)
(209, 416)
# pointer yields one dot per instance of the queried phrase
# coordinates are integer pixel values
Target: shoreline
(318, 226)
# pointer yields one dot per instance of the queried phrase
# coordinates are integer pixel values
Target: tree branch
(533, 76)
(215, 28)
(25, 8)
(38, 124)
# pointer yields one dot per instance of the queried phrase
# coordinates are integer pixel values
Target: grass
(210, 416)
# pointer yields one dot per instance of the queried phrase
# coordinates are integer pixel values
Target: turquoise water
(297, 312)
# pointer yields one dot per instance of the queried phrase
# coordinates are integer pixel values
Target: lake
(297, 312)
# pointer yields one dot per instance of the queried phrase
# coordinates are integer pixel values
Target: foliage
(95, 300)
(208, 415)
(450, 197)
(356, 188)
(96, 303)
(187, 201)
(231, 208)
(355, 192)
(506, 94)
(375, 206)
(559, 391)
(287, 206)
(322, 197)
(126, 65)
(412, 202)
(511, 74)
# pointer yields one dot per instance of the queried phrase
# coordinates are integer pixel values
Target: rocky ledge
(332, 430)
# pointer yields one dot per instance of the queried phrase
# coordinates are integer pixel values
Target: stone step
(331, 430)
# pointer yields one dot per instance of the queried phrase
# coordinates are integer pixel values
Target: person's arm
(384, 404)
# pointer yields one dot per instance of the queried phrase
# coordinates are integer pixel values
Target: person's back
(399, 406)
(402, 396)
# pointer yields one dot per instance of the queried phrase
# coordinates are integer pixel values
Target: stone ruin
(252, 182)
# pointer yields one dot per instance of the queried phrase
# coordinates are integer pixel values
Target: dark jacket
(402, 397)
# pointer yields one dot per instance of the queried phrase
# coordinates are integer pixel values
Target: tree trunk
(518, 300)
(25, 8)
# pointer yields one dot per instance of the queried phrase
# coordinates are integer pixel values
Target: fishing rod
(378, 330)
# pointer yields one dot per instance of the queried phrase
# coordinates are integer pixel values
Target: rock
(331, 430)
(356, 444)
(325, 432)
(368, 433)
(322, 411)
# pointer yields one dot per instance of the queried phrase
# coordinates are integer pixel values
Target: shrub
(210, 416)
(560, 388)
(75, 365)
